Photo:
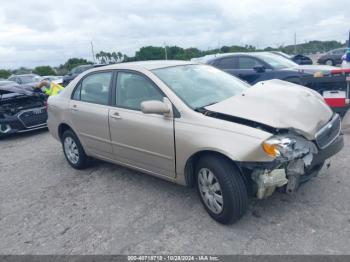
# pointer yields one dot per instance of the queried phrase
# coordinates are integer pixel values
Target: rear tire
(74, 151)
(217, 176)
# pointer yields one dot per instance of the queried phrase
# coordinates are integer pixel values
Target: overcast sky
(44, 32)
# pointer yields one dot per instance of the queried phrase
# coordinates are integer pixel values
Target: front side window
(200, 85)
(133, 89)
(248, 63)
(94, 88)
(276, 61)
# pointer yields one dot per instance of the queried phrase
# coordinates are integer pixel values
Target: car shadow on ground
(278, 205)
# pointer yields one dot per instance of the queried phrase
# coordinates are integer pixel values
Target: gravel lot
(49, 208)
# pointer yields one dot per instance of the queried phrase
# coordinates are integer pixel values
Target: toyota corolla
(198, 126)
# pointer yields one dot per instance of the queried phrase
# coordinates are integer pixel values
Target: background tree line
(172, 53)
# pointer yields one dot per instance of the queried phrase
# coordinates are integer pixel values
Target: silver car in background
(198, 126)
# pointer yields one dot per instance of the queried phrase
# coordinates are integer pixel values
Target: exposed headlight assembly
(278, 146)
(288, 147)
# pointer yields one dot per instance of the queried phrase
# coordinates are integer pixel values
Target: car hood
(279, 104)
(16, 89)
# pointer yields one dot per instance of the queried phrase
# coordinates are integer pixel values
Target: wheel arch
(62, 128)
(193, 159)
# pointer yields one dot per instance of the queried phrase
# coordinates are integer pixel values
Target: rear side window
(133, 89)
(227, 63)
(94, 88)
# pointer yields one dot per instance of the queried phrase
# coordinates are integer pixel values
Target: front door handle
(115, 115)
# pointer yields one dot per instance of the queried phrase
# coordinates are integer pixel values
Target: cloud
(40, 32)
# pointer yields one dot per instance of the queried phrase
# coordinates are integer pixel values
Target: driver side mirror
(259, 69)
(155, 107)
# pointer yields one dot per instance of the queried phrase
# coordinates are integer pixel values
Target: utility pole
(295, 43)
(166, 53)
(93, 53)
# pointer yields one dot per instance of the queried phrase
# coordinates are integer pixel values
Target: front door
(145, 141)
(245, 69)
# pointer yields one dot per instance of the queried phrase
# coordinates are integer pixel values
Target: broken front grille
(328, 133)
(34, 117)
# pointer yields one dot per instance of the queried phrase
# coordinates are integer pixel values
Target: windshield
(282, 54)
(200, 85)
(276, 61)
(29, 79)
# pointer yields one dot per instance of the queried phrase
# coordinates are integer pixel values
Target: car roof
(25, 75)
(148, 65)
(336, 49)
(213, 57)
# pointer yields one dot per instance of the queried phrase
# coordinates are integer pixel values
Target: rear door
(89, 109)
(229, 65)
(145, 141)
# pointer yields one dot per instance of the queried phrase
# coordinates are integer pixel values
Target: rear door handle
(115, 115)
(74, 108)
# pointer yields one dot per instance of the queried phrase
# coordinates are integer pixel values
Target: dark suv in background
(74, 73)
(333, 57)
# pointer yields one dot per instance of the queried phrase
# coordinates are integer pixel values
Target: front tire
(329, 62)
(221, 189)
(74, 151)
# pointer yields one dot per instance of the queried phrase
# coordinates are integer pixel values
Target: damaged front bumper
(25, 120)
(288, 171)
